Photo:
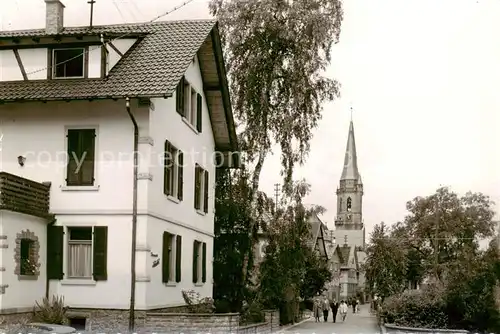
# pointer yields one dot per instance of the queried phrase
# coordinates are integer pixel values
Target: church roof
(350, 171)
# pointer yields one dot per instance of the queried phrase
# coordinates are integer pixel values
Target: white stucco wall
(180, 217)
(21, 294)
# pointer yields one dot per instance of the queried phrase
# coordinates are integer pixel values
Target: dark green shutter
(197, 187)
(100, 253)
(179, 102)
(180, 184)
(199, 113)
(166, 167)
(55, 246)
(167, 240)
(88, 155)
(195, 261)
(204, 264)
(205, 193)
(178, 258)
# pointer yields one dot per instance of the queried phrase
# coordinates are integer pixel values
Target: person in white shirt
(343, 310)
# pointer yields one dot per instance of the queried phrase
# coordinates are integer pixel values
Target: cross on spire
(91, 2)
(351, 111)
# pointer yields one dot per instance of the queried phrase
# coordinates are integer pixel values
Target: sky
(421, 75)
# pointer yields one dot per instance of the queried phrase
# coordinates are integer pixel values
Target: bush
(417, 308)
(50, 311)
(196, 304)
(252, 314)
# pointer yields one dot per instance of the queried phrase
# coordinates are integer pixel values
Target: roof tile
(151, 68)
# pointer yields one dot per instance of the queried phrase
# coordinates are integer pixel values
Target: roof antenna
(91, 2)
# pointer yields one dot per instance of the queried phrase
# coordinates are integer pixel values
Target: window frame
(175, 171)
(31, 244)
(81, 185)
(67, 259)
(201, 199)
(172, 259)
(53, 64)
(192, 105)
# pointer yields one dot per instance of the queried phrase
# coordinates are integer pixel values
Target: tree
(445, 228)
(386, 263)
(277, 52)
(231, 242)
(289, 258)
(316, 276)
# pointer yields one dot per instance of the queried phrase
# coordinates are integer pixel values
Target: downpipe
(131, 320)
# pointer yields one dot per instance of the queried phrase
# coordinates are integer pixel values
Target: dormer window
(68, 63)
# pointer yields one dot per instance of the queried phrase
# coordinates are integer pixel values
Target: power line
(114, 39)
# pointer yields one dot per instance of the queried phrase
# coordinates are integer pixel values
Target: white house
(65, 94)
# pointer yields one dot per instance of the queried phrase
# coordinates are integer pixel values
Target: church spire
(350, 171)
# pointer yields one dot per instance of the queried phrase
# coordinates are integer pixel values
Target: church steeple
(350, 171)
(349, 219)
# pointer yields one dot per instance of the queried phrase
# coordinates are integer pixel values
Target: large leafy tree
(288, 256)
(277, 52)
(386, 263)
(445, 228)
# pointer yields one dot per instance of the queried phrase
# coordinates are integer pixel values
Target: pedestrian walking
(317, 308)
(343, 310)
(357, 305)
(326, 308)
(353, 305)
(334, 306)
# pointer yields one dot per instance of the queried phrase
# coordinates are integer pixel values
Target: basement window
(68, 63)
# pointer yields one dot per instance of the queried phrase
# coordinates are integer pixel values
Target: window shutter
(199, 113)
(73, 138)
(167, 170)
(55, 246)
(179, 102)
(87, 158)
(205, 193)
(180, 176)
(195, 261)
(197, 187)
(178, 259)
(166, 257)
(204, 263)
(100, 253)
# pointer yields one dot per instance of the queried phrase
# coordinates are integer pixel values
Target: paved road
(359, 323)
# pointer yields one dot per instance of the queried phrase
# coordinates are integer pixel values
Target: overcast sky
(423, 77)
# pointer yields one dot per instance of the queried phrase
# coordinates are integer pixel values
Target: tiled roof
(151, 68)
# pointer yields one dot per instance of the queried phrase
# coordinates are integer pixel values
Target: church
(349, 251)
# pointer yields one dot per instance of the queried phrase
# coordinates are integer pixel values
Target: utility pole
(436, 241)
(276, 195)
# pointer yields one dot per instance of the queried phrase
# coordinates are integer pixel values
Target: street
(359, 323)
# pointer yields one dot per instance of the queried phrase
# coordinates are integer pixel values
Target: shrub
(417, 308)
(196, 304)
(50, 311)
(252, 314)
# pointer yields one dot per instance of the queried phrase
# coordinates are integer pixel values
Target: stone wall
(160, 321)
(190, 323)
(392, 329)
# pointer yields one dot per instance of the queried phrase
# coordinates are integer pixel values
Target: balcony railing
(25, 196)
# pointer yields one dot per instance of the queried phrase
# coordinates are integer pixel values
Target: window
(68, 63)
(349, 204)
(200, 189)
(172, 257)
(80, 252)
(86, 252)
(189, 104)
(81, 157)
(199, 262)
(78, 323)
(28, 267)
(173, 171)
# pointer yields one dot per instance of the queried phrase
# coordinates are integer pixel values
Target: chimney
(54, 17)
